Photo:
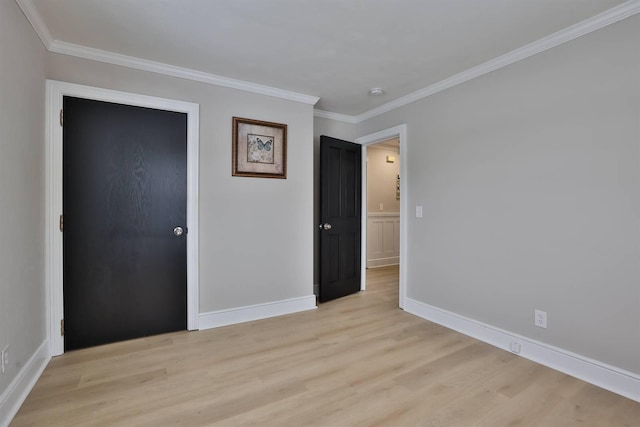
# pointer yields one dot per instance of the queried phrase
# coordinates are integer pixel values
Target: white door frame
(399, 132)
(56, 90)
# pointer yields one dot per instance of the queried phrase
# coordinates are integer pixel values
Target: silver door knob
(178, 231)
(325, 226)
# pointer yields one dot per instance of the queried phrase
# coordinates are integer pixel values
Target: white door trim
(399, 132)
(56, 90)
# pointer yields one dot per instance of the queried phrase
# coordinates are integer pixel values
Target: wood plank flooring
(357, 361)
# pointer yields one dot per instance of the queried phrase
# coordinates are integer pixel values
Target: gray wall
(530, 181)
(256, 234)
(22, 189)
(334, 129)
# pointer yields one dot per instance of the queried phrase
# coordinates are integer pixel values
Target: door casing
(56, 90)
(399, 132)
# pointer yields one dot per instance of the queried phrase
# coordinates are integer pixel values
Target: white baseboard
(249, 313)
(383, 262)
(13, 397)
(609, 377)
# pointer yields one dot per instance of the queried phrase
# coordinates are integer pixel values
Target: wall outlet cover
(540, 318)
(4, 359)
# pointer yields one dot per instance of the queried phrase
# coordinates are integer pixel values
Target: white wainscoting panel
(383, 239)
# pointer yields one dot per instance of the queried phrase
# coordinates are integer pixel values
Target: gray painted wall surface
(529, 177)
(256, 234)
(530, 181)
(22, 189)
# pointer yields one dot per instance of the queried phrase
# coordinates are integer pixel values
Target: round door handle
(325, 226)
(178, 231)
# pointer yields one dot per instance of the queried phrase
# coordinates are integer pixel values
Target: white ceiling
(333, 49)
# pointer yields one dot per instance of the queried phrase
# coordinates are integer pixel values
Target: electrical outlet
(540, 319)
(4, 359)
(515, 347)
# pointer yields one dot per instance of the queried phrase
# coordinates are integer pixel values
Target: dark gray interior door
(124, 194)
(340, 217)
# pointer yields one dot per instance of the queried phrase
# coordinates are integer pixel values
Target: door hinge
(62, 327)
(61, 117)
(61, 222)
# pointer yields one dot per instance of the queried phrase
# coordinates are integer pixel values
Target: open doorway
(383, 214)
(389, 221)
(383, 204)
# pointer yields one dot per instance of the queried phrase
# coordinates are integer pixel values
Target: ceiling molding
(34, 18)
(587, 26)
(52, 45)
(180, 72)
(334, 116)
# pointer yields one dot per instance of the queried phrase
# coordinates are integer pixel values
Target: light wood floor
(357, 361)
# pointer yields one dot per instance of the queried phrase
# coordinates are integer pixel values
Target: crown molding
(34, 18)
(587, 26)
(173, 71)
(334, 116)
(56, 46)
(608, 17)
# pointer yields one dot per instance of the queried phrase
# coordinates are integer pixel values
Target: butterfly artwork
(262, 145)
(259, 149)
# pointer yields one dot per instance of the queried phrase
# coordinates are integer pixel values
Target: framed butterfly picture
(259, 149)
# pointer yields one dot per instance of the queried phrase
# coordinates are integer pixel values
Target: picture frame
(259, 149)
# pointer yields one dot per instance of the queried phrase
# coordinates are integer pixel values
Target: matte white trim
(399, 132)
(608, 17)
(383, 262)
(56, 46)
(334, 116)
(609, 377)
(383, 214)
(215, 319)
(35, 19)
(587, 26)
(56, 90)
(13, 397)
(174, 71)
